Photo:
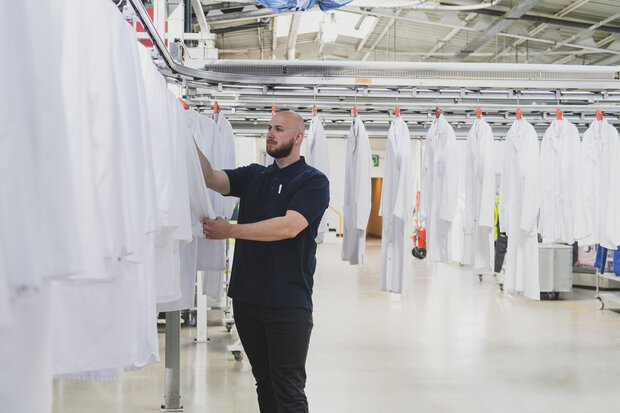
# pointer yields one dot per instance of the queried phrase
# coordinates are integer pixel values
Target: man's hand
(217, 228)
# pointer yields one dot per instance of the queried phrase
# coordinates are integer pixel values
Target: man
(275, 257)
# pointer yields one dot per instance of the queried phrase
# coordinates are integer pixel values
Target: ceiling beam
(387, 27)
(540, 27)
(565, 21)
(449, 36)
(292, 36)
(505, 21)
(578, 35)
(274, 38)
(571, 56)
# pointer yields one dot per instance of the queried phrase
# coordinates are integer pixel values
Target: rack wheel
(238, 355)
(601, 303)
(480, 277)
(229, 326)
(419, 253)
(191, 319)
(501, 287)
(552, 295)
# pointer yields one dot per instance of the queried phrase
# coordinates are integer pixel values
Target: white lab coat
(200, 208)
(396, 208)
(317, 155)
(357, 194)
(599, 220)
(439, 189)
(519, 206)
(560, 173)
(479, 218)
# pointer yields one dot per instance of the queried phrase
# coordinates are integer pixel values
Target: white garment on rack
(396, 208)
(26, 353)
(188, 280)
(357, 194)
(519, 205)
(216, 141)
(599, 221)
(103, 328)
(213, 284)
(38, 200)
(162, 148)
(95, 325)
(200, 208)
(560, 173)
(439, 189)
(226, 204)
(479, 219)
(317, 155)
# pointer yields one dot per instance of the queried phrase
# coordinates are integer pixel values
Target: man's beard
(282, 152)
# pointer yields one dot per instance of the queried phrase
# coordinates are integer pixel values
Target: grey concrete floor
(456, 345)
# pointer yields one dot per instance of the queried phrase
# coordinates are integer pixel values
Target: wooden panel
(375, 222)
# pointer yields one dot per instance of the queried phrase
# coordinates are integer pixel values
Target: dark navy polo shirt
(277, 273)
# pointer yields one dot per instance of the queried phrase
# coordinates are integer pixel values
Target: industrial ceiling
(508, 31)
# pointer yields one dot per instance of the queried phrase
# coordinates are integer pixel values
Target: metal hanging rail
(385, 74)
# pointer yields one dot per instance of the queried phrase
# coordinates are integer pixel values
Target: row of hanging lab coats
(357, 194)
(105, 152)
(578, 189)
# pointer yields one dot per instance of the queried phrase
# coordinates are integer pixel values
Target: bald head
(291, 119)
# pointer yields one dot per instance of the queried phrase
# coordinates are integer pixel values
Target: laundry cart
(555, 269)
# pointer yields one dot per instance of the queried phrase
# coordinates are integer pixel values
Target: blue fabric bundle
(302, 5)
(601, 260)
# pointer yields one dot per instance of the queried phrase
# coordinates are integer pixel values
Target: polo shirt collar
(288, 170)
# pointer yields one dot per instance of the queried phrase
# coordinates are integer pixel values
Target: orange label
(363, 80)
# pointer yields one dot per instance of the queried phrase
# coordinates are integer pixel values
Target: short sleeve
(312, 198)
(239, 179)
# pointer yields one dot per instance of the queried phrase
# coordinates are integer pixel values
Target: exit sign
(375, 161)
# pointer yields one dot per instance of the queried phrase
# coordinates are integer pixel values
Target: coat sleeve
(545, 181)
(576, 189)
(531, 193)
(449, 195)
(487, 205)
(504, 189)
(403, 200)
(363, 190)
(584, 197)
(612, 218)
(468, 217)
(424, 183)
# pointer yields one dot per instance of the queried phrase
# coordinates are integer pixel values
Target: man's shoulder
(310, 172)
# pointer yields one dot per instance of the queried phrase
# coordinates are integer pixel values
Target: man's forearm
(214, 179)
(274, 229)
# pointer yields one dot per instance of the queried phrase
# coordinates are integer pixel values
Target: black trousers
(501, 244)
(276, 342)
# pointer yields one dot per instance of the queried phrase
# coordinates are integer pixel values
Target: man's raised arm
(214, 179)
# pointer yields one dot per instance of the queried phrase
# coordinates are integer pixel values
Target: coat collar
(289, 170)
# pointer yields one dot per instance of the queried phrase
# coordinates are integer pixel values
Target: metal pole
(201, 310)
(172, 398)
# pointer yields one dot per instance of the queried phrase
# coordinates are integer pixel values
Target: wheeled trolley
(555, 264)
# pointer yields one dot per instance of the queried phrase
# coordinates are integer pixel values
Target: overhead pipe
(425, 5)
